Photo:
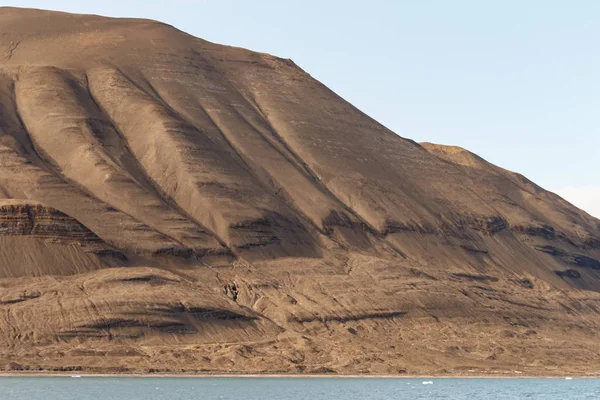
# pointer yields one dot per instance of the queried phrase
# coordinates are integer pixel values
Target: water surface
(118, 388)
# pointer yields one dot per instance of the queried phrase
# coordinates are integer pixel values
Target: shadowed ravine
(172, 205)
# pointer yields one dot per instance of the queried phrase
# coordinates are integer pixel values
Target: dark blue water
(293, 389)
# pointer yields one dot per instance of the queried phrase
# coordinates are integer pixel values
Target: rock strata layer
(36, 220)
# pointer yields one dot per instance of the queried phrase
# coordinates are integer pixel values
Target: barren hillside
(169, 204)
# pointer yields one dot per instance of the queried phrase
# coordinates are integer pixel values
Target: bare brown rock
(36, 220)
(173, 205)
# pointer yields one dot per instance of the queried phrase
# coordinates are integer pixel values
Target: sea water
(119, 388)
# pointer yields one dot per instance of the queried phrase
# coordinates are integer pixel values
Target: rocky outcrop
(489, 225)
(36, 220)
(579, 260)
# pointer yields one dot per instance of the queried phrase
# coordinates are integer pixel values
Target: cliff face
(36, 220)
(172, 204)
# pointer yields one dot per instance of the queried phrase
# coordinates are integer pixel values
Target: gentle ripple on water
(119, 388)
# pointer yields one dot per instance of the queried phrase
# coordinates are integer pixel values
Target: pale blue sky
(517, 82)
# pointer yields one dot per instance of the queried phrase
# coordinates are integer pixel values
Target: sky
(517, 82)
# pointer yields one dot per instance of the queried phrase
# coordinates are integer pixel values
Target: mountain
(173, 205)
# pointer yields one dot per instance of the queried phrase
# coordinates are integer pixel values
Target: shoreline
(74, 374)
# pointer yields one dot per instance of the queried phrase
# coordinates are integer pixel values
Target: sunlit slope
(160, 192)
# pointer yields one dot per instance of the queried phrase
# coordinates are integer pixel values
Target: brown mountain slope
(169, 204)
